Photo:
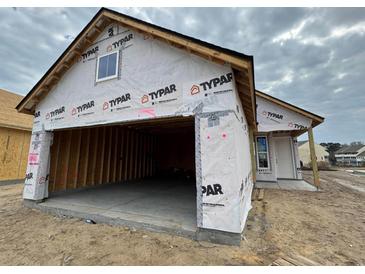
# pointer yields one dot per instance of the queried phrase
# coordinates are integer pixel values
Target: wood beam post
(252, 153)
(313, 157)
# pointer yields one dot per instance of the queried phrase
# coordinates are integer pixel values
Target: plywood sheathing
(9, 117)
(14, 147)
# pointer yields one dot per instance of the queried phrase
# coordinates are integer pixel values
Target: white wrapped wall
(146, 66)
(156, 80)
(224, 173)
(36, 179)
(272, 117)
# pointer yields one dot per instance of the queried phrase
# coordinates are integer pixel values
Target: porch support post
(313, 157)
(252, 153)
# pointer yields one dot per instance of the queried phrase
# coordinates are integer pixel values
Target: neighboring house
(304, 153)
(15, 132)
(279, 125)
(353, 155)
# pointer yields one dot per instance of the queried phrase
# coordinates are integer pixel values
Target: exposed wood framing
(63, 160)
(127, 153)
(55, 149)
(94, 135)
(84, 161)
(101, 153)
(313, 157)
(115, 146)
(109, 153)
(121, 155)
(74, 156)
(252, 153)
(91, 156)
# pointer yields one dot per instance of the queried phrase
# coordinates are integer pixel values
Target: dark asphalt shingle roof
(349, 149)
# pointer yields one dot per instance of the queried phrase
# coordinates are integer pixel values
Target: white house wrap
(272, 117)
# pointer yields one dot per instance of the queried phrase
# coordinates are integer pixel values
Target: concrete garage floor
(287, 185)
(157, 205)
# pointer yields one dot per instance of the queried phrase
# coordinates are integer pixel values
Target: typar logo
(194, 90)
(84, 109)
(37, 114)
(122, 41)
(144, 99)
(215, 189)
(118, 103)
(296, 126)
(154, 96)
(213, 83)
(89, 53)
(270, 114)
(57, 114)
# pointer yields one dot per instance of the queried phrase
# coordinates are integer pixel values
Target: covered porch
(276, 162)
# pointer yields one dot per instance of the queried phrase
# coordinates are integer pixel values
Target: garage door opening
(141, 174)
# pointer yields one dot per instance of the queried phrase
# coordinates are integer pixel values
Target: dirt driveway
(327, 227)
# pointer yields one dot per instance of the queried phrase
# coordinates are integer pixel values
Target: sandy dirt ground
(327, 227)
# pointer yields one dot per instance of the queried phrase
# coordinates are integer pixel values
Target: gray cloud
(310, 57)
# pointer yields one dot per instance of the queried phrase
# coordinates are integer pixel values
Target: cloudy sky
(311, 57)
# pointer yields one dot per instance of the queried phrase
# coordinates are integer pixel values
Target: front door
(284, 157)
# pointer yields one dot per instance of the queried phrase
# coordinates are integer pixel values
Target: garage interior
(140, 174)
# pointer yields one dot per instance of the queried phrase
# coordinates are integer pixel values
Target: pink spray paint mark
(33, 158)
(148, 111)
(224, 135)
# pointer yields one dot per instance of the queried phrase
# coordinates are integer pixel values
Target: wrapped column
(36, 181)
(223, 186)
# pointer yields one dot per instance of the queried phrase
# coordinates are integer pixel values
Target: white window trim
(116, 67)
(267, 154)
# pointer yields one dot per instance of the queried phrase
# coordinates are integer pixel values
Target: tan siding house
(304, 154)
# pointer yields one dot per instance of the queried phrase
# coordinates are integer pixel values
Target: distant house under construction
(15, 133)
